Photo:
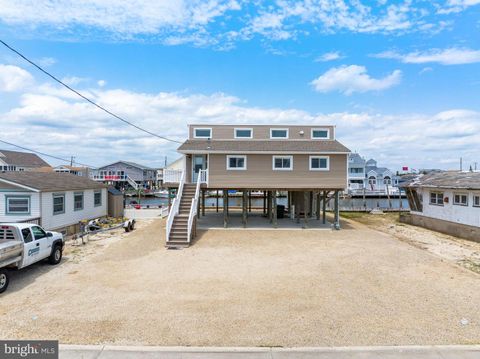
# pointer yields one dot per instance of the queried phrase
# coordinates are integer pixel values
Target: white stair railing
(174, 210)
(202, 176)
(132, 183)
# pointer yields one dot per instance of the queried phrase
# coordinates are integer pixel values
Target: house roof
(133, 164)
(447, 179)
(245, 146)
(24, 159)
(356, 159)
(50, 181)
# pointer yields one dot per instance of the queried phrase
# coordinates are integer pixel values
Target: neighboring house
(173, 170)
(304, 161)
(123, 173)
(447, 202)
(21, 161)
(77, 171)
(56, 201)
(367, 175)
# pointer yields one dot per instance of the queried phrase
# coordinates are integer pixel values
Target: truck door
(31, 252)
(42, 241)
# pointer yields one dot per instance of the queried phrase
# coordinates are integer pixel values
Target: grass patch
(353, 215)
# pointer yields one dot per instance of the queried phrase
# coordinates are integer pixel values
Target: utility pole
(72, 159)
(475, 166)
(165, 162)
(461, 165)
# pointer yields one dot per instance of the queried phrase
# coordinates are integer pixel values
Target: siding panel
(34, 206)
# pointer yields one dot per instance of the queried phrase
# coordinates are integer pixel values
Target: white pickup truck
(22, 244)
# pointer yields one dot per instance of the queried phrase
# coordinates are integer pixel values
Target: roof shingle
(15, 158)
(51, 181)
(447, 179)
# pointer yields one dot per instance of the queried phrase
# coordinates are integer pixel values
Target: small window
(282, 163)
(18, 205)
(78, 201)
(202, 133)
(58, 203)
(460, 199)
(38, 233)
(372, 180)
(243, 133)
(387, 180)
(476, 200)
(236, 162)
(320, 133)
(319, 163)
(356, 170)
(278, 133)
(27, 235)
(97, 198)
(436, 198)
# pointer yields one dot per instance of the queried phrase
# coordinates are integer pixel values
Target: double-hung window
(279, 133)
(236, 162)
(97, 198)
(202, 133)
(78, 201)
(436, 198)
(18, 204)
(58, 203)
(460, 199)
(319, 163)
(476, 200)
(320, 133)
(243, 133)
(282, 163)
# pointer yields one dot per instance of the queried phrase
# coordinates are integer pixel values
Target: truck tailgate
(10, 249)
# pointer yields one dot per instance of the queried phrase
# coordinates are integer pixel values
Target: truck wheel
(132, 225)
(3, 280)
(56, 255)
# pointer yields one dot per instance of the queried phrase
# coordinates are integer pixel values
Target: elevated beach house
(306, 162)
(122, 174)
(56, 201)
(447, 202)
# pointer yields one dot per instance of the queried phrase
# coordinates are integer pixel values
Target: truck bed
(10, 246)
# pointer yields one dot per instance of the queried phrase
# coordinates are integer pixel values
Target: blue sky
(400, 79)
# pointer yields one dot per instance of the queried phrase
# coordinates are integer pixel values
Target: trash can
(280, 211)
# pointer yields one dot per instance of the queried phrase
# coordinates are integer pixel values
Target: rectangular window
(282, 163)
(78, 201)
(278, 133)
(18, 205)
(460, 199)
(436, 198)
(356, 170)
(59, 203)
(476, 200)
(202, 133)
(236, 162)
(319, 163)
(243, 133)
(97, 198)
(320, 133)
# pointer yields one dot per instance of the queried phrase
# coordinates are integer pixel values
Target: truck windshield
(27, 235)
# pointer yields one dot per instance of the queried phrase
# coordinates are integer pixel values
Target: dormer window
(320, 133)
(202, 133)
(278, 133)
(243, 133)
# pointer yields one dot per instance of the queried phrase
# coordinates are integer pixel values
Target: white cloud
(14, 78)
(453, 6)
(65, 125)
(329, 56)
(449, 56)
(101, 83)
(354, 78)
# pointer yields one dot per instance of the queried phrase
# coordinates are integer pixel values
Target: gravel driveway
(356, 286)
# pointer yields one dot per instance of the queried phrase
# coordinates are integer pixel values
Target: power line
(83, 96)
(44, 154)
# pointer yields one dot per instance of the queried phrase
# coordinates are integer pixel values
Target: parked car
(22, 244)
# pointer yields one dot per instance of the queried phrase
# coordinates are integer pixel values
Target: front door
(199, 163)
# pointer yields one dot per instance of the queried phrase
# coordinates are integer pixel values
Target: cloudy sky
(400, 79)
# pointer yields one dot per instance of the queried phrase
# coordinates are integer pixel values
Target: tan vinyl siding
(260, 175)
(260, 132)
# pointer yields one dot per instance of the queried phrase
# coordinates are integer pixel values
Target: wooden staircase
(179, 232)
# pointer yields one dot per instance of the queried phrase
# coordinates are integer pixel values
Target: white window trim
(7, 205)
(279, 138)
(244, 128)
(236, 168)
(282, 169)
(202, 128)
(319, 157)
(320, 129)
(473, 200)
(460, 203)
(437, 193)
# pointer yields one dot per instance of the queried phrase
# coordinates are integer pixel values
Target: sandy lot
(245, 288)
